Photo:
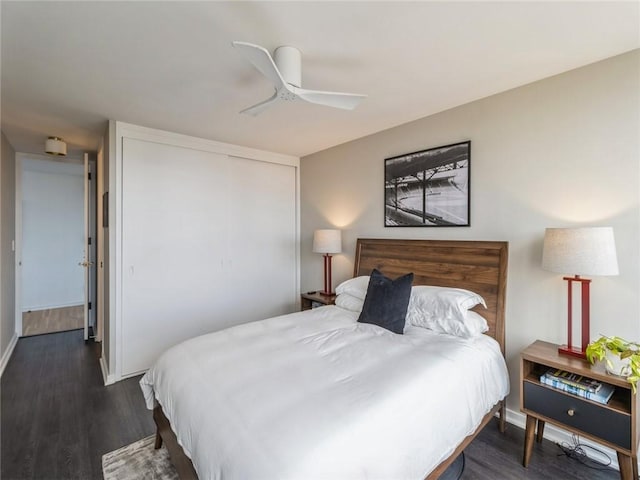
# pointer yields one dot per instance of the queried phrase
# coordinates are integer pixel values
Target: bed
(302, 395)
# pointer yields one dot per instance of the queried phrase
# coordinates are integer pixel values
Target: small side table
(307, 300)
(614, 424)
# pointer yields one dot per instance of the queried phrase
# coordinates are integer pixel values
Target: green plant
(597, 351)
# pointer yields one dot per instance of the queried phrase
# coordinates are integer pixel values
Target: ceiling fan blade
(259, 107)
(261, 59)
(346, 101)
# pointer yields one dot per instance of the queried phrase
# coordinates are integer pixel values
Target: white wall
(8, 335)
(563, 151)
(52, 234)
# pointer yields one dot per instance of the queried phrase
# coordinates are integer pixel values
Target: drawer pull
(570, 412)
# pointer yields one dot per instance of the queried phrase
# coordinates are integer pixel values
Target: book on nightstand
(603, 395)
(574, 380)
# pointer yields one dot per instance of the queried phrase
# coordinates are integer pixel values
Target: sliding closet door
(174, 227)
(262, 238)
(208, 241)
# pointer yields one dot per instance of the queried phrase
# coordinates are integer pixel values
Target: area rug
(141, 461)
(138, 461)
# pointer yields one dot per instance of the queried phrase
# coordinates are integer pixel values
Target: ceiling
(68, 67)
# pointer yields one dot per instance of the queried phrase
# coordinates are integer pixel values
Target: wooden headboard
(474, 265)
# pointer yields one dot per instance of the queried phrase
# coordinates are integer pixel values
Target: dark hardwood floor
(58, 419)
(495, 456)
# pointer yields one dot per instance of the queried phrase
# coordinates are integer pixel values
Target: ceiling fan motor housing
(289, 63)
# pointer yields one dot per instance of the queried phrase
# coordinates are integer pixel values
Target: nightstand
(614, 424)
(309, 300)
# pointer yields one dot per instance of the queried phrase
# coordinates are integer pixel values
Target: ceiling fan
(284, 70)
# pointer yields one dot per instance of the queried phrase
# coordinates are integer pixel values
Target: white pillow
(474, 325)
(349, 302)
(446, 310)
(356, 287)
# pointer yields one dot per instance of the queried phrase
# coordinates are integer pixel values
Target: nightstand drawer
(600, 421)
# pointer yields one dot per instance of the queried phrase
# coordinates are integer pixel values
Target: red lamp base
(326, 291)
(571, 351)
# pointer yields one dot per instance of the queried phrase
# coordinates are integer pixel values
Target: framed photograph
(429, 188)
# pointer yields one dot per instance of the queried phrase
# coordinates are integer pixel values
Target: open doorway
(55, 220)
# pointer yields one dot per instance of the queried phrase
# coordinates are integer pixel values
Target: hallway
(52, 320)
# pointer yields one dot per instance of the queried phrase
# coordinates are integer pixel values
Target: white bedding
(316, 395)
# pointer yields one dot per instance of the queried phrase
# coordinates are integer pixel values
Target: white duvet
(316, 395)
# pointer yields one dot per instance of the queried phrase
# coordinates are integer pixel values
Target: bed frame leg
(158, 443)
(502, 425)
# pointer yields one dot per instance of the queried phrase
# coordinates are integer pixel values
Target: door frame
(100, 250)
(20, 157)
(90, 219)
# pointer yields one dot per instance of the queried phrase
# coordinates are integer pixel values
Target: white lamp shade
(580, 251)
(55, 146)
(327, 241)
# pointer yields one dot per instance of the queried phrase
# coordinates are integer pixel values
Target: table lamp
(327, 241)
(579, 251)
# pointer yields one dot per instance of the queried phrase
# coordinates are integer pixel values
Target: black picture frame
(429, 188)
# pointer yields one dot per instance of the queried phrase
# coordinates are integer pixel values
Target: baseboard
(8, 352)
(106, 378)
(557, 435)
(38, 308)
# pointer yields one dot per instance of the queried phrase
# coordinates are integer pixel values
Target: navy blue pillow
(387, 301)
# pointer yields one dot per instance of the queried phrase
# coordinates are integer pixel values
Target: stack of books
(578, 385)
